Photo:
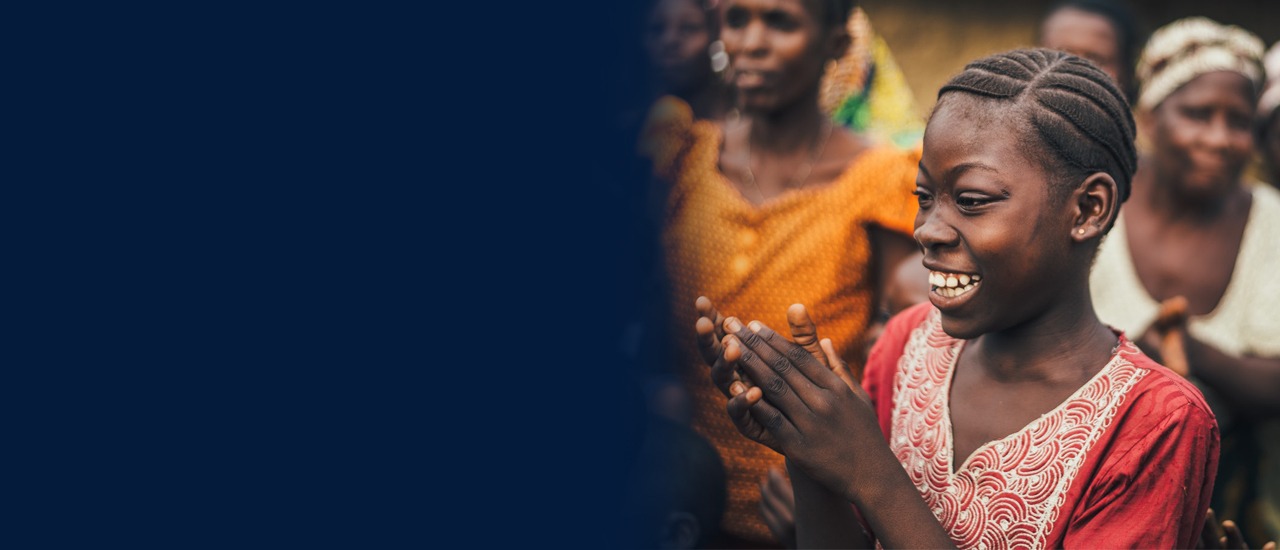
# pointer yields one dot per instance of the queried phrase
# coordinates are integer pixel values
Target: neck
(1062, 345)
(1162, 195)
(787, 129)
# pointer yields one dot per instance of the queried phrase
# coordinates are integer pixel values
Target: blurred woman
(1199, 240)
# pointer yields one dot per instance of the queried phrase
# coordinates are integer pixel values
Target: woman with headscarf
(1189, 267)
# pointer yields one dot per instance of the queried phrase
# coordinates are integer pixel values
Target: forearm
(1250, 384)
(824, 519)
(892, 505)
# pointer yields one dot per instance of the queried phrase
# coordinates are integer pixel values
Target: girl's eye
(968, 201)
(922, 197)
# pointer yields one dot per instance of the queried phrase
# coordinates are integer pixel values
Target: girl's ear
(1095, 204)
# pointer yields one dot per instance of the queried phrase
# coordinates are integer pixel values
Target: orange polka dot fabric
(807, 246)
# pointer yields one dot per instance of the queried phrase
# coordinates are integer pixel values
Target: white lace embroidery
(1009, 492)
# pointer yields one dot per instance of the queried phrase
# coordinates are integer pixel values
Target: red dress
(1128, 461)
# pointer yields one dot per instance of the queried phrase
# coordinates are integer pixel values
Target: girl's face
(777, 50)
(1202, 134)
(988, 221)
(676, 38)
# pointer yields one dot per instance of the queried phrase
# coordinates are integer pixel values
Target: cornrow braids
(1081, 117)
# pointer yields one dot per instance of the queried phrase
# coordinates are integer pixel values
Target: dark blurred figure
(1188, 269)
(1104, 32)
(676, 495)
(678, 39)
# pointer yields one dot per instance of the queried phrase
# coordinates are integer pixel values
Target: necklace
(805, 168)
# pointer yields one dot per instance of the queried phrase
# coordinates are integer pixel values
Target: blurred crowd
(773, 164)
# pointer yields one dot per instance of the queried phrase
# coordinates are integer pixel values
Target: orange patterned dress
(807, 246)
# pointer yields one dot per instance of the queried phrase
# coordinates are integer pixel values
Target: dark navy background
(316, 275)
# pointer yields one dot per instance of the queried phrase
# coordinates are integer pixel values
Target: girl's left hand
(799, 407)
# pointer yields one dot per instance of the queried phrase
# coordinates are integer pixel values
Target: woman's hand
(799, 407)
(1226, 536)
(778, 506)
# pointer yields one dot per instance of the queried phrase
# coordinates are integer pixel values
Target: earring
(1080, 231)
(719, 59)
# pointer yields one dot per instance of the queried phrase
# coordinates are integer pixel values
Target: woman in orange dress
(771, 207)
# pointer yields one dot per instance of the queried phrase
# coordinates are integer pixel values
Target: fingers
(776, 508)
(788, 359)
(708, 343)
(784, 386)
(1209, 533)
(707, 309)
(725, 370)
(757, 419)
(1233, 538)
(841, 368)
(803, 332)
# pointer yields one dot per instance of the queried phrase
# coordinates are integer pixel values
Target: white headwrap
(1187, 48)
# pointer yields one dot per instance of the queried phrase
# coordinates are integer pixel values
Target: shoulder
(670, 132)
(1162, 396)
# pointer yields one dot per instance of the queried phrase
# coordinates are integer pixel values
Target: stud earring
(719, 58)
(1080, 231)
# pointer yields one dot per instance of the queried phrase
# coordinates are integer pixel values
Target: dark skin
(777, 51)
(1033, 337)
(1186, 219)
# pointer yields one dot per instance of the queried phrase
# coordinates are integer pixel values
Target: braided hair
(1080, 116)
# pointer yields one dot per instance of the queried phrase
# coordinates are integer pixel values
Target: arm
(1251, 384)
(816, 509)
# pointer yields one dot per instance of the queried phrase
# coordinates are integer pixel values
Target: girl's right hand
(711, 344)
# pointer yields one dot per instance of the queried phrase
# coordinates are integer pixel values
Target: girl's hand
(711, 344)
(799, 407)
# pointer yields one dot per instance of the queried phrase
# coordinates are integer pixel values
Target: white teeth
(952, 292)
(940, 280)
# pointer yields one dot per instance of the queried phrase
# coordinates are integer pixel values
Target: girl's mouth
(952, 285)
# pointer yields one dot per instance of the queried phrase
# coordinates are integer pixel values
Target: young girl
(1003, 413)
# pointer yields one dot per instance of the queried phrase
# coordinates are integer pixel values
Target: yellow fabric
(808, 245)
(866, 91)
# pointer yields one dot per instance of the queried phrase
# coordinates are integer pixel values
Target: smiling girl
(1003, 413)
